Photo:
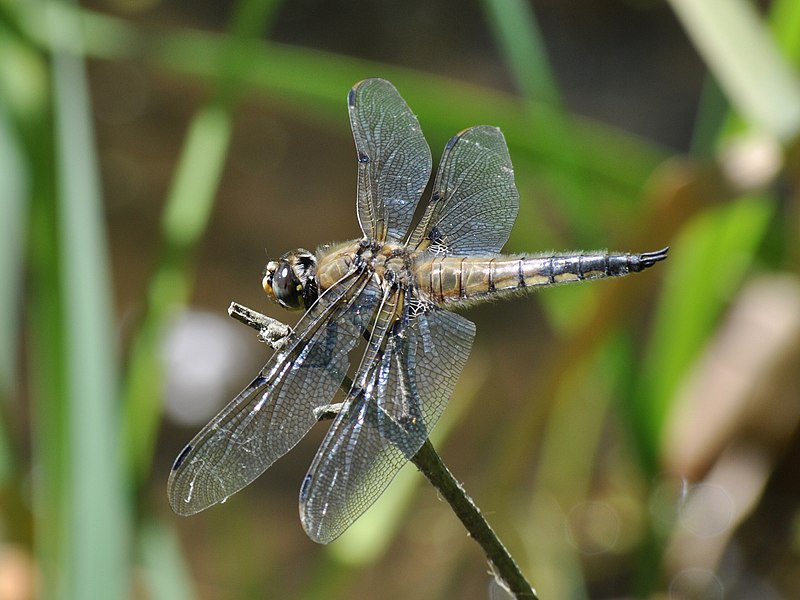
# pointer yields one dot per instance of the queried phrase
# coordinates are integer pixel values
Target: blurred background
(625, 438)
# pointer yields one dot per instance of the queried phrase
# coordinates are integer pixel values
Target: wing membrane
(276, 410)
(475, 200)
(394, 160)
(385, 423)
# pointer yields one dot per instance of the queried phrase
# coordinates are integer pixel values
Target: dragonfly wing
(475, 200)
(394, 160)
(383, 425)
(277, 409)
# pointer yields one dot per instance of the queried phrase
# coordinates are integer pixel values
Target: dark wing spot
(181, 457)
(304, 487)
(452, 142)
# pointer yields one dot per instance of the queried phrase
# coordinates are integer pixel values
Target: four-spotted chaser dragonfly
(383, 298)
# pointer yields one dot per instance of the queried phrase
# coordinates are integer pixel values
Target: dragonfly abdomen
(451, 279)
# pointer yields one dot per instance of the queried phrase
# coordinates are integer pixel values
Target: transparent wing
(276, 410)
(475, 200)
(394, 160)
(385, 423)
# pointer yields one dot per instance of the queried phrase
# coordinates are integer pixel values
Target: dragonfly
(378, 316)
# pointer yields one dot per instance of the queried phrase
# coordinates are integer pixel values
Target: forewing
(475, 200)
(394, 160)
(383, 425)
(276, 410)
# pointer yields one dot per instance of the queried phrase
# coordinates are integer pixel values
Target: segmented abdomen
(448, 279)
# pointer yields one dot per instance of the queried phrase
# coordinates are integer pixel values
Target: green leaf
(707, 263)
(737, 47)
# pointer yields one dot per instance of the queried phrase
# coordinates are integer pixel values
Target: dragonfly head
(290, 279)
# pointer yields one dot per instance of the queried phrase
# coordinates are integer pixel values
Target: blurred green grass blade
(517, 33)
(716, 121)
(47, 376)
(96, 529)
(712, 114)
(708, 260)
(737, 47)
(514, 24)
(200, 168)
(26, 95)
(166, 573)
(184, 221)
(784, 20)
(14, 189)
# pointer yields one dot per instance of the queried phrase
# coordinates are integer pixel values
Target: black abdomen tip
(639, 262)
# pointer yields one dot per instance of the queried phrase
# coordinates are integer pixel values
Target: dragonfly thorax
(390, 263)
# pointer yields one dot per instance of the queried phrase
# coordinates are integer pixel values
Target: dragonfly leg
(275, 334)
(270, 331)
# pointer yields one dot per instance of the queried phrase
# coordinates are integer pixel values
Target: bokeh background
(627, 438)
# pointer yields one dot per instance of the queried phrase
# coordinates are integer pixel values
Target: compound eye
(286, 288)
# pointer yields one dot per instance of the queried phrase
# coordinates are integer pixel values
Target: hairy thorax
(391, 263)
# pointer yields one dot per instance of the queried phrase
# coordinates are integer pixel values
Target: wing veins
(215, 445)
